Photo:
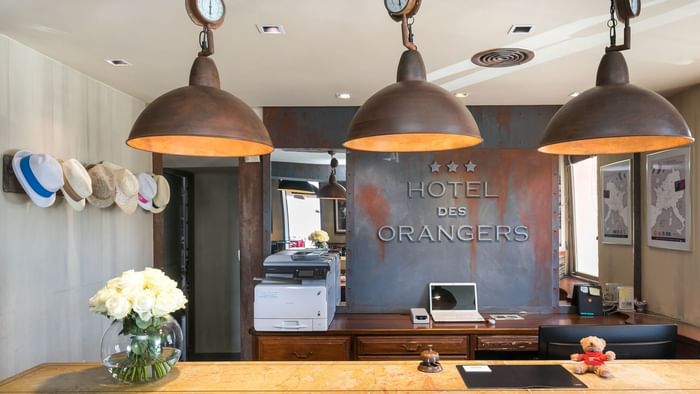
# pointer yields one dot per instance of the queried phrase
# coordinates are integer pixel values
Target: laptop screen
(453, 296)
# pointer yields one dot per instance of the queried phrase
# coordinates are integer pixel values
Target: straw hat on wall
(104, 188)
(77, 185)
(162, 197)
(127, 188)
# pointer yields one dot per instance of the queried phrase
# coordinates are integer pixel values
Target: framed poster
(616, 225)
(669, 199)
(340, 216)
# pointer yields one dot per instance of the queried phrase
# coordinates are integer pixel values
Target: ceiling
(353, 46)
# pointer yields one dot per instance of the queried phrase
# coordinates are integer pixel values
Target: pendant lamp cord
(206, 42)
(407, 33)
(612, 24)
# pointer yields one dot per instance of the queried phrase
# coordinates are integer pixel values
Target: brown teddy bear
(593, 357)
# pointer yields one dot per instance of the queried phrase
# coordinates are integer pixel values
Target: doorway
(201, 242)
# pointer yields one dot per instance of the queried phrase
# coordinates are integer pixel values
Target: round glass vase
(137, 351)
(321, 245)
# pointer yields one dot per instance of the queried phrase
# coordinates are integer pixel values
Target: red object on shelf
(297, 244)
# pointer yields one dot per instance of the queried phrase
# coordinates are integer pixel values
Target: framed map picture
(617, 203)
(340, 216)
(668, 199)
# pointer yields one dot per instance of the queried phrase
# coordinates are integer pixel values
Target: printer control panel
(309, 272)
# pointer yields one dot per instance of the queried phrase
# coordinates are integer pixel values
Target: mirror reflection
(308, 210)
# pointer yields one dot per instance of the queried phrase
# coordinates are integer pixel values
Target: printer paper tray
(290, 325)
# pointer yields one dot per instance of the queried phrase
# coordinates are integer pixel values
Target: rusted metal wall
(511, 275)
(393, 276)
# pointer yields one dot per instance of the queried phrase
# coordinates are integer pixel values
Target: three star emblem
(452, 166)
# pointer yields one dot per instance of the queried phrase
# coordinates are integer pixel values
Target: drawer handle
(302, 356)
(411, 348)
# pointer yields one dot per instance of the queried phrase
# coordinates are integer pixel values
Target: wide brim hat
(147, 191)
(41, 176)
(104, 189)
(162, 197)
(77, 185)
(127, 188)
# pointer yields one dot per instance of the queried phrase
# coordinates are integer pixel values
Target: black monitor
(628, 341)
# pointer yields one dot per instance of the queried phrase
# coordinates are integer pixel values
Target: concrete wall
(52, 260)
(669, 278)
(216, 262)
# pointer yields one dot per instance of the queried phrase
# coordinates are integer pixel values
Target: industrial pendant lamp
(615, 116)
(298, 187)
(411, 115)
(333, 190)
(201, 119)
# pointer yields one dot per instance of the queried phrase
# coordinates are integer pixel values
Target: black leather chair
(628, 341)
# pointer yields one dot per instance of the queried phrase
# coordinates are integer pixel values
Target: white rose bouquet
(319, 238)
(142, 301)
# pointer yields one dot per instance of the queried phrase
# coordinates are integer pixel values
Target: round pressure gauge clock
(209, 13)
(628, 9)
(400, 8)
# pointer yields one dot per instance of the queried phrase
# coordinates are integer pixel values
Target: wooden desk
(392, 336)
(376, 376)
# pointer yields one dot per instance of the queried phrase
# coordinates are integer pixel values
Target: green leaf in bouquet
(143, 324)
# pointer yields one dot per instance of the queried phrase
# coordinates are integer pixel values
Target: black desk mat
(521, 377)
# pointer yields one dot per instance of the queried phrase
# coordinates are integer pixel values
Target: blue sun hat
(40, 175)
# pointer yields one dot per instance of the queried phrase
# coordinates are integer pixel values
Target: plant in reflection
(143, 342)
(319, 238)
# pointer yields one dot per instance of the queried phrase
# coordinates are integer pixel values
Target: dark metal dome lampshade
(200, 120)
(615, 116)
(297, 187)
(412, 115)
(333, 190)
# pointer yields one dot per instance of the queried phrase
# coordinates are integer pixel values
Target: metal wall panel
(393, 276)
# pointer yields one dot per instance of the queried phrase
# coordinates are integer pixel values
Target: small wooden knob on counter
(430, 361)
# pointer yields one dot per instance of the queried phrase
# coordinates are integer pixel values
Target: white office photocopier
(299, 292)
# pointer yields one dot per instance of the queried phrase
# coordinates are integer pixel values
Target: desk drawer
(507, 343)
(411, 346)
(304, 348)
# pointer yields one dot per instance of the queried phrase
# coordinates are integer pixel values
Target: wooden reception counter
(393, 337)
(337, 376)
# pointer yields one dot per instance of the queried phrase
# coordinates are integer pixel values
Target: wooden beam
(254, 209)
(158, 219)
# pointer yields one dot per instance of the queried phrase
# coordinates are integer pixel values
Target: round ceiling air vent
(503, 57)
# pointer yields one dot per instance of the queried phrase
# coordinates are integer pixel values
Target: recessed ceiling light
(270, 29)
(461, 94)
(118, 62)
(343, 95)
(574, 94)
(520, 29)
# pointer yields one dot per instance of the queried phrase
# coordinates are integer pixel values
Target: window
(303, 216)
(584, 181)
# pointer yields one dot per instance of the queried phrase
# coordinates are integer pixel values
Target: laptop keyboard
(459, 318)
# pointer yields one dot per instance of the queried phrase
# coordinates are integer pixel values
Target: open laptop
(454, 302)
